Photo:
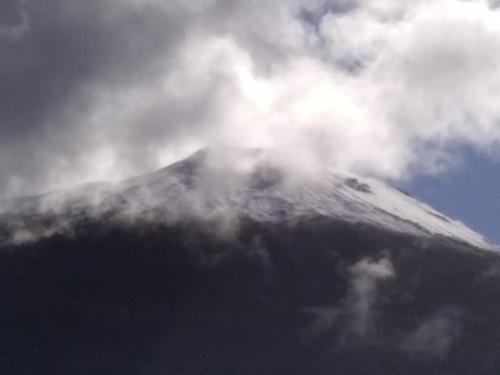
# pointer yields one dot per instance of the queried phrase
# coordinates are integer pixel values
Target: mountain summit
(236, 262)
(231, 183)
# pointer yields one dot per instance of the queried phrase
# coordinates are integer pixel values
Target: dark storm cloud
(70, 44)
(11, 13)
(48, 73)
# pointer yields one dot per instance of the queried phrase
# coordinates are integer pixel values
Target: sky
(469, 192)
(105, 89)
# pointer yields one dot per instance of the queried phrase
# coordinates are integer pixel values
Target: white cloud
(397, 77)
(379, 87)
(366, 276)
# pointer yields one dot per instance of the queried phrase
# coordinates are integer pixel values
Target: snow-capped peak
(256, 184)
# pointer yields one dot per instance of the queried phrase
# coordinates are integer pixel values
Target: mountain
(228, 184)
(235, 261)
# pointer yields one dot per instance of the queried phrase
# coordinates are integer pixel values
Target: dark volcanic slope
(209, 267)
(313, 296)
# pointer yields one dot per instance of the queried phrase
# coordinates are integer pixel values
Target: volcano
(231, 261)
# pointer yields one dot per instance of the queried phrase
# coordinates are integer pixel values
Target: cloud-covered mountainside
(243, 268)
(223, 185)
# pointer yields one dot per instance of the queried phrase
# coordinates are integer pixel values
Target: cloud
(14, 23)
(365, 278)
(354, 317)
(434, 336)
(323, 322)
(112, 88)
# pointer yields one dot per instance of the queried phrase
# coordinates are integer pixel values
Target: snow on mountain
(231, 183)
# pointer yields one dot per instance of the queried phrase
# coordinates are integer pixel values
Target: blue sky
(469, 192)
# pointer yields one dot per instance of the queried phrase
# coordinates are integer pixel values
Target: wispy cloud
(435, 335)
(355, 315)
(366, 276)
